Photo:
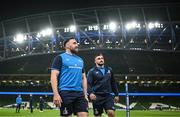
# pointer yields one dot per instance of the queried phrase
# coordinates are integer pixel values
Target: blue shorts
(73, 102)
(105, 102)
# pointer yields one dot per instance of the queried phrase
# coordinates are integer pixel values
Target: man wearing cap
(68, 81)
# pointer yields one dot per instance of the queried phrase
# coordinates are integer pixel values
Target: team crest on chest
(97, 72)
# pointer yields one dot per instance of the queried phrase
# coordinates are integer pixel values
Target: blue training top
(70, 67)
(18, 100)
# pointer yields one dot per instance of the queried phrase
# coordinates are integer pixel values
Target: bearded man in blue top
(68, 81)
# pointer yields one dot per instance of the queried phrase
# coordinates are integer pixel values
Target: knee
(82, 114)
(110, 113)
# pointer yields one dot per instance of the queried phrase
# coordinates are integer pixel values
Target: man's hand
(86, 97)
(116, 99)
(92, 96)
(57, 100)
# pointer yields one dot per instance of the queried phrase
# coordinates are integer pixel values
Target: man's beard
(74, 51)
(101, 64)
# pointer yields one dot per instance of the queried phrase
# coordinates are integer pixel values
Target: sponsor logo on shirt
(67, 59)
(80, 61)
(75, 67)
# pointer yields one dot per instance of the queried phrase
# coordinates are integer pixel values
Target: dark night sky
(16, 8)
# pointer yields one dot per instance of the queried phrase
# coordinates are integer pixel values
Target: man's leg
(19, 106)
(66, 108)
(97, 110)
(80, 105)
(16, 108)
(31, 108)
(109, 106)
(82, 114)
(110, 113)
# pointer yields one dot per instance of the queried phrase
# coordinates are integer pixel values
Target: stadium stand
(146, 51)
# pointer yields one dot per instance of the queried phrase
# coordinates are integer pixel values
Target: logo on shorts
(96, 112)
(65, 111)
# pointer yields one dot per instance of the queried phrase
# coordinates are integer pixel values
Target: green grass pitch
(55, 113)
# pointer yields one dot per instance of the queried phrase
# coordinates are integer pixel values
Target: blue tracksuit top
(99, 83)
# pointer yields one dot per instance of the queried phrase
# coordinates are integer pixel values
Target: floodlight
(49, 31)
(112, 26)
(45, 32)
(132, 25)
(72, 28)
(38, 35)
(151, 25)
(19, 38)
(157, 25)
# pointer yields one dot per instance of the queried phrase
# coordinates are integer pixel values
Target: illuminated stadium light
(66, 29)
(38, 35)
(171, 82)
(135, 82)
(112, 26)
(49, 31)
(95, 27)
(4, 81)
(72, 28)
(169, 41)
(142, 82)
(145, 41)
(132, 25)
(121, 82)
(163, 82)
(46, 32)
(132, 40)
(152, 25)
(19, 38)
(105, 27)
(43, 33)
(157, 82)
(108, 41)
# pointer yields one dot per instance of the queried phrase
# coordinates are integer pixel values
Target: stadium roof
(17, 8)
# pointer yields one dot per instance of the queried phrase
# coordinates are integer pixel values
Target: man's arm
(114, 87)
(84, 84)
(92, 96)
(54, 84)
